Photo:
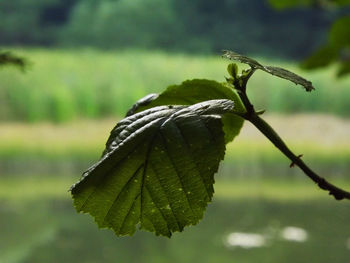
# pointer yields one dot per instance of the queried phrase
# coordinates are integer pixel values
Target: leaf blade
(198, 90)
(153, 175)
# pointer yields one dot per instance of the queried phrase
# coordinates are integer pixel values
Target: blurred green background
(90, 60)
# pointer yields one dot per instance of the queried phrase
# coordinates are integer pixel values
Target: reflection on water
(255, 240)
(51, 231)
(245, 240)
(295, 234)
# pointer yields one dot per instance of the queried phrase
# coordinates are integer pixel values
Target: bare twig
(268, 131)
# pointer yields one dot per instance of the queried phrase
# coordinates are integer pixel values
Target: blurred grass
(63, 85)
(31, 188)
(85, 85)
(40, 161)
(316, 134)
(70, 148)
(64, 151)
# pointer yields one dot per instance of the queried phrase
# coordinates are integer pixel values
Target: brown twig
(267, 130)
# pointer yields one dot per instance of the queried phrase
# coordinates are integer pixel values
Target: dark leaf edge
(172, 94)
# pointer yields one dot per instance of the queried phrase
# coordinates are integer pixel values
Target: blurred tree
(124, 23)
(253, 27)
(195, 26)
(337, 46)
(33, 21)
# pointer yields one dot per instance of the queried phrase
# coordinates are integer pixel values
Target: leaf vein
(130, 209)
(177, 173)
(192, 158)
(163, 189)
(117, 197)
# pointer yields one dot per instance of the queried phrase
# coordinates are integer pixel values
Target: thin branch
(240, 85)
(266, 129)
(269, 132)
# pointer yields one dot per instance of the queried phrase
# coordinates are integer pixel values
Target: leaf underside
(157, 170)
(276, 71)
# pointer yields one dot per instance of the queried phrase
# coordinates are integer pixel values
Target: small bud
(232, 69)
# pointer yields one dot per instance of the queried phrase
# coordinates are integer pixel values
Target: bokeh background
(88, 61)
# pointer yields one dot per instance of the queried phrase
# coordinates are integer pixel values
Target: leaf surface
(198, 90)
(276, 71)
(157, 170)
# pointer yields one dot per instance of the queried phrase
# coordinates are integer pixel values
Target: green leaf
(278, 4)
(337, 49)
(321, 58)
(276, 71)
(290, 3)
(232, 69)
(288, 75)
(340, 33)
(344, 69)
(7, 58)
(341, 2)
(158, 170)
(193, 91)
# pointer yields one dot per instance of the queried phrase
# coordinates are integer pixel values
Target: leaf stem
(276, 140)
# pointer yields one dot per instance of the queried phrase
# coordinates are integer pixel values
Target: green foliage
(232, 69)
(196, 26)
(290, 3)
(100, 84)
(307, 3)
(158, 167)
(123, 23)
(32, 21)
(321, 58)
(198, 90)
(344, 69)
(339, 35)
(336, 50)
(157, 170)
